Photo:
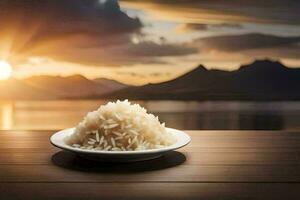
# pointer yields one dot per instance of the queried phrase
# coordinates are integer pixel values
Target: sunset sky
(145, 41)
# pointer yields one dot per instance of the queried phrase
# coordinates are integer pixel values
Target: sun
(5, 70)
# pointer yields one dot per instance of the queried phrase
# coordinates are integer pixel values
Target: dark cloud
(126, 54)
(52, 19)
(85, 31)
(205, 27)
(289, 52)
(194, 27)
(252, 44)
(227, 25)
(270, 11)
(244, 42)
(146, 49)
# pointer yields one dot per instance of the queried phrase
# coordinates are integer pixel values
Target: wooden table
(216, 165)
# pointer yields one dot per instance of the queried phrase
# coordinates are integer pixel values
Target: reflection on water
(178, 114)
(6, 110)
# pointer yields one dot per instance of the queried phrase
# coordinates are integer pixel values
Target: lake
(232, 115)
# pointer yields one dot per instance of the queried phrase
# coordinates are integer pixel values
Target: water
(45, 115)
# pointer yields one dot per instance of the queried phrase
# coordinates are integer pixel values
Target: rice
(120, 126)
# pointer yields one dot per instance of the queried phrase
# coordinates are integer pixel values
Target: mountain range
(57, 87)
(260, 80)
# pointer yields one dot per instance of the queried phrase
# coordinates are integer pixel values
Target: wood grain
(216, 165)
(149, 191)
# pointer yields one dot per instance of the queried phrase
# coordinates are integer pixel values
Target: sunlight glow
(5, 70)
(6, 115)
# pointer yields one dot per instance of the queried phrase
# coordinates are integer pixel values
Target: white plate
(57, 140)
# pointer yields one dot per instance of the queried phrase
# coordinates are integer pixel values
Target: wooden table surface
(215, 165)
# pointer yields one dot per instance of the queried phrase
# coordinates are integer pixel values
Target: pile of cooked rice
(120, 126)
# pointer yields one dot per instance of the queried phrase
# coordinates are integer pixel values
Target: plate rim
(177, 145)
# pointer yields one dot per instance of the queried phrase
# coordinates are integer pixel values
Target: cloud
(187, 27)
(229, 11)
(149, 49)
(193, 27)
(281, 52)
(88, 32)
(244, 42)
(52, 19)
(125, 54)
(252, 44)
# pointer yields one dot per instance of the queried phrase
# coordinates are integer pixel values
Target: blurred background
(196, 64)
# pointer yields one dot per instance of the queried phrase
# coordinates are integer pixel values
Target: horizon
(130, 84)
(149, 41)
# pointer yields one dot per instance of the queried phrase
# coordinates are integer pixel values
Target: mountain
(56, 87)
(16, 89)
(76, 86)
(109, 85)
(260, 80)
